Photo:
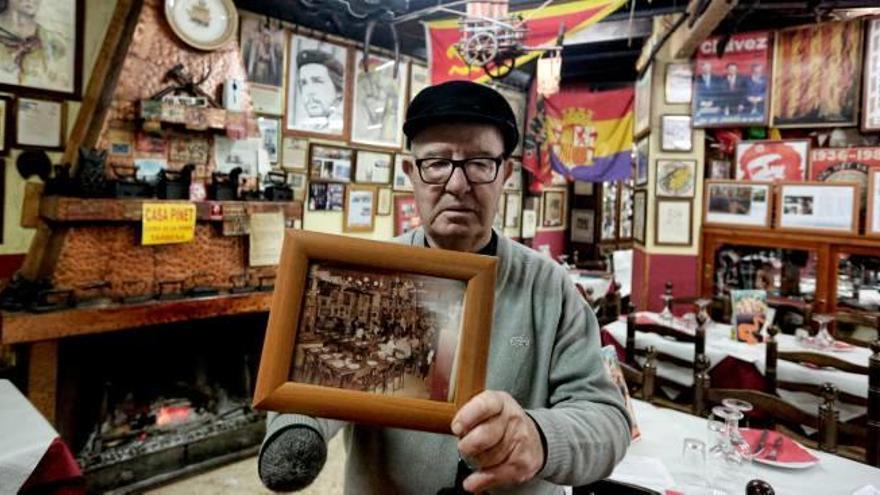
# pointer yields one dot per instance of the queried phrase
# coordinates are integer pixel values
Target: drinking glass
(666, 314)
(739, 405)
(693, 460)
(823, 338)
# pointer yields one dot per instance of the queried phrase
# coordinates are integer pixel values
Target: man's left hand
(497, 435)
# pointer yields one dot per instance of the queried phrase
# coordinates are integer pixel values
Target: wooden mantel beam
(688, 36)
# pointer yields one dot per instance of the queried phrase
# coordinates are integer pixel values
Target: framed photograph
(732, 90)
(625, 215)
(673, 225)
(772, 160)
(120, 143)
(817, 84)
(514, 183)
(270, 130)
(553, 205)
(818, 207)
(641, 159)
(318, 75)
(609, 211)
(49, 62)
(678, 85)
(379, 101)
(583, 226)
(406, 216)
(719, 168)
(676, 178)
(383, 205)
(583, 188)
(498, 223)
(871, 82)
(326, 196)
(236, 153)
(512, 207)
(360, 208)
(731, 204)
(294, 152)
(419, 79)
(7, 105)
(39, 124)
(517, 100)
(401, 180)
(642, 110)
(373, 167)
(334, 349)
(872, 226)
(330, 163)
(677, 134)
(297, 181)
(845, 165)
(640, 213)
(262, 43)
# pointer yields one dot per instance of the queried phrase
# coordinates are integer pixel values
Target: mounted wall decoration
(816, 207)
(202, 24)
(42, 55)
(263, 53)
(317, 102)
(737, 204)
(871, 83)
(676, 178)
(379, 100)
(772, 160)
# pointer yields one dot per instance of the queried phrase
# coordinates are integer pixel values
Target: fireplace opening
(144, 406)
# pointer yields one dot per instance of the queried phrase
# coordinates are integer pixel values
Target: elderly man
(550, 415)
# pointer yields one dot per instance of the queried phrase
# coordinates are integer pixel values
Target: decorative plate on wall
(202, 24)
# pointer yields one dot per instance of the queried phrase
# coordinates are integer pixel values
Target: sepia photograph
(270, 131)
(553, 209)
(262, 50)
(330, 163)
(379, 100)
(379, 331)
(316, 87)
(373, 167)
(736, 204)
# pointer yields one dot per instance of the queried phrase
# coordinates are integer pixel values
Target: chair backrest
(857, 318)
(641, 382)
(633, 326)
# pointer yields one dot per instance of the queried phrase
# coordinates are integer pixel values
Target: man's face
(758, 70)
(732, 70)
(317, 89)
(706, 68)
(457, 209)
(27, 7)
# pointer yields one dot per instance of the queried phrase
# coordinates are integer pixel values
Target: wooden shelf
(70, 209)
(17, 328)
(759, 236)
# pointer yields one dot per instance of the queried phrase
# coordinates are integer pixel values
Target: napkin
(790, 451)
(867, 490)
(648, 472)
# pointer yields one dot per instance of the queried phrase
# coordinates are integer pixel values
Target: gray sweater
(545, 352)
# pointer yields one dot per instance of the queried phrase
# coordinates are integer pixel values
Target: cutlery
(761, 442)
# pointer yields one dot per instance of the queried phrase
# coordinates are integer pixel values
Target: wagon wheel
(480, 49)
(499, 67)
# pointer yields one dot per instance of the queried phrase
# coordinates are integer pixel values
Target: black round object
(759, 487)
(34, 162)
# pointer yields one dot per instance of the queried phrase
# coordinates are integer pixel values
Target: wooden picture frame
(642, 164)
(328, 165)
(298, 121)
(676, 178)
(678, 89)
(555, 222)
(383, 202)
(31, 121)
(406, 214)
(355, 208)
(872, 215)
(640, 215)
(302, 250)
(642, 104)
(401, 181)
(70, 52)
(737, 211)
(670, 128)
(583, 225)
(744, 156)
(7, 124)
(671, 214)
(366, 170)
(871, 77)
(367, 128)
(789, 206)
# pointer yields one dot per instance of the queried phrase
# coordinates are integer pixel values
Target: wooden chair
(856, 319)
(791, 305)
(641, 382)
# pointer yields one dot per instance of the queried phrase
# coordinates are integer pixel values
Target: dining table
(655, 461)
(735, 364)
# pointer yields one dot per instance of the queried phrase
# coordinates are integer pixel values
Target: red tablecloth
(57, 473)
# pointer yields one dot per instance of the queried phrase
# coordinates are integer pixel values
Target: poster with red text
(844, 165)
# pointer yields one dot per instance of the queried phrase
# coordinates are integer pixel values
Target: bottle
(759, 487)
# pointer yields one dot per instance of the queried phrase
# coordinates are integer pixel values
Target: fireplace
(144, 406)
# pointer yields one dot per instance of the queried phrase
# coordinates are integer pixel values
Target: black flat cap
(462, 101)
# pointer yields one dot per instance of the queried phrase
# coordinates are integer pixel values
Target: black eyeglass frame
(499, 160)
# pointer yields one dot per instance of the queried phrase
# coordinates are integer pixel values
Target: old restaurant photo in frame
(375, 332)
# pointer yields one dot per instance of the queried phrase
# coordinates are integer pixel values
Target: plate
(801, 458)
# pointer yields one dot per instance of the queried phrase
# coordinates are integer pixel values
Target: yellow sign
(168, 223)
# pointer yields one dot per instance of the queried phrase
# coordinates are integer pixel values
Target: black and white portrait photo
(316, 86)
(378, 102)
(262, 49)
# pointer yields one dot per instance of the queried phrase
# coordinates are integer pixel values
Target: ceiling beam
(688, 36)
(610, 31)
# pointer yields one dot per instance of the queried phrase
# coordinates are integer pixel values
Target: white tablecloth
(24, 437)
(719, 346)
(663, 431)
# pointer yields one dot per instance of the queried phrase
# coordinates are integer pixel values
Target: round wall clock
(202, 24)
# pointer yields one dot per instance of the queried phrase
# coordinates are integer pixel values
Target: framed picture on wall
(583, 223)
(609, 211)
(517, 101)
(401, 180)
(7, 125)
(673, 225)
(871, 82)
(297, 182)
(317, 101)
(360, 208)
(553, 204)
(330, 163)
(818, 207)
(625, 215)
(732, 204)
(49, 61)
(872, 226)
(270, 130)
(641, 158)
(817, 84)
(379, 101)
(326, 196)
(263, 53)
(512, 205)
(640, 205)
(845, 165)
(39, 124)
(676, 133)
(419, 79)
(678, 84)
(676, 178)
(383, 203)
(642, 110)
(514, 183)
(449, 292)
(406, 216)
(373, 167)
(294, 152)
(583, 188)
(772, 160)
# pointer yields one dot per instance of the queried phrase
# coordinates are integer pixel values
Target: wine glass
(739, 405)
(666, 314)
(823, 339)
(703, 311)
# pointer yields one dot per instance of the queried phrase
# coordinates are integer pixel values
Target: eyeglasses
(477, 170)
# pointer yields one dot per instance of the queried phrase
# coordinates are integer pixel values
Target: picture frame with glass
(583, 225)
(673, 225)
(7, 125)
(676, 133)
(553, 209)
(379, 101)
(737, 204)
(324, 358)
(40, 124)
(401, 180)
(676, 178)
(330, 162)
(318, 79)
(818, 207)
(373, 167)
(360, 208)
(872, 215)
(640, 211)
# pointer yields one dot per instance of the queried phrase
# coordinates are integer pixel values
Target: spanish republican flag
(542, 27)
(581, 134)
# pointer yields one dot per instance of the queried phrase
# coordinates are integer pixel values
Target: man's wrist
(543, 443)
